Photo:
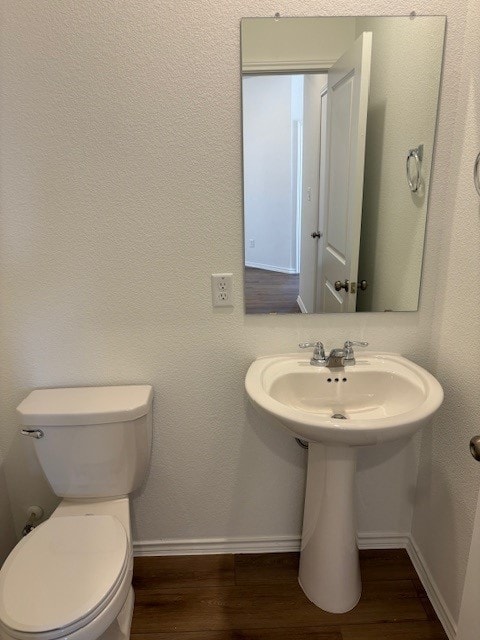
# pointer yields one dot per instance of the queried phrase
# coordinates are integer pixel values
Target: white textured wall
(449, 478)
(120, 194)
(269, 172)
(7, 534)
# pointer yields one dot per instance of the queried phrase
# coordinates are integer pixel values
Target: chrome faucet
(336, 358)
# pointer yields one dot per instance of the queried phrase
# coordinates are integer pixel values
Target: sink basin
(382, 397)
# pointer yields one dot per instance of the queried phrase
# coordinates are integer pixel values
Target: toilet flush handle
(33, 433)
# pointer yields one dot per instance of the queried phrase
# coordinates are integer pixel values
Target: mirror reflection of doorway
(281, 131)
(304, 154)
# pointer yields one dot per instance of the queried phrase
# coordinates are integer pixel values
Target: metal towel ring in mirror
(476, 178)
(414, 176)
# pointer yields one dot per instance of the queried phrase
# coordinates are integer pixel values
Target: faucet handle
(318, 348)
(348, 347)
(354, 343)
(306, 345)
(318, 357)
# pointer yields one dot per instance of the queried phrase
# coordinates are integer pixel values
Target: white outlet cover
(222, 289)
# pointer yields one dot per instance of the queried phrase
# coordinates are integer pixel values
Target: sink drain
(339, 416)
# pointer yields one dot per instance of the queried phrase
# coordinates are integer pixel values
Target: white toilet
(71, 577)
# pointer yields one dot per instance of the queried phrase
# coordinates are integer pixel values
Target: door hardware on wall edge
(475, 447)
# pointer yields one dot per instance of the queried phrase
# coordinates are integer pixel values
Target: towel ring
(414, 177)
(476, 178)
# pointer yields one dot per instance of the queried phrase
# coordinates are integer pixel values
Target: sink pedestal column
(329, 566)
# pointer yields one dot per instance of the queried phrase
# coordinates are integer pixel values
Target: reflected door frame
(321, 197)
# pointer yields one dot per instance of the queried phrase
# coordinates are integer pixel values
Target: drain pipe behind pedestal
(301, 443)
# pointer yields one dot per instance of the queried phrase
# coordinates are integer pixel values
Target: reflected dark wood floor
(270, 292)
(257, 597)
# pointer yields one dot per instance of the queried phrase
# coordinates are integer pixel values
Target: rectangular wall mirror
(339, 118)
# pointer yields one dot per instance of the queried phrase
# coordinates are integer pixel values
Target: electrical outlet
(222, 289)
(251, 243)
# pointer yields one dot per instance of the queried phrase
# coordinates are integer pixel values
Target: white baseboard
(375, 540)
(215, 546)
(432, 590)
(382, 540)
(366, 540)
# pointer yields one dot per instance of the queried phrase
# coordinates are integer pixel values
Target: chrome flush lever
(33, 433)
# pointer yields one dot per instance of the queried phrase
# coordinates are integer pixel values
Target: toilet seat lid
(61, 572)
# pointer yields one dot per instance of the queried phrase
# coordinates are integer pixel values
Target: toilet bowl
(71, 576)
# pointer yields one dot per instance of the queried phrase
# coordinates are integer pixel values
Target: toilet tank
(94, 442)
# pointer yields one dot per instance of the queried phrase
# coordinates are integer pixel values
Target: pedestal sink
(381, 398)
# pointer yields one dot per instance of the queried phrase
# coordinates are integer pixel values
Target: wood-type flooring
(257, 597)
(270, 292)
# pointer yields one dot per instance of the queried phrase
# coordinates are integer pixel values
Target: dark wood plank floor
(257, 597)
(270, 292)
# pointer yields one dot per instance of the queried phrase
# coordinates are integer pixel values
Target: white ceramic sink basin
(382, 397)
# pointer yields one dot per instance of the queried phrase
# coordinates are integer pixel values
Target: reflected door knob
(363, 284)
(342, 285)
(475, 447)
(316, 234)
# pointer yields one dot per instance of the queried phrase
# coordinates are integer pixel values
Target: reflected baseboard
(271, 267)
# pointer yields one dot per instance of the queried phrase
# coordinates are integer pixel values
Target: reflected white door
(347, 97)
